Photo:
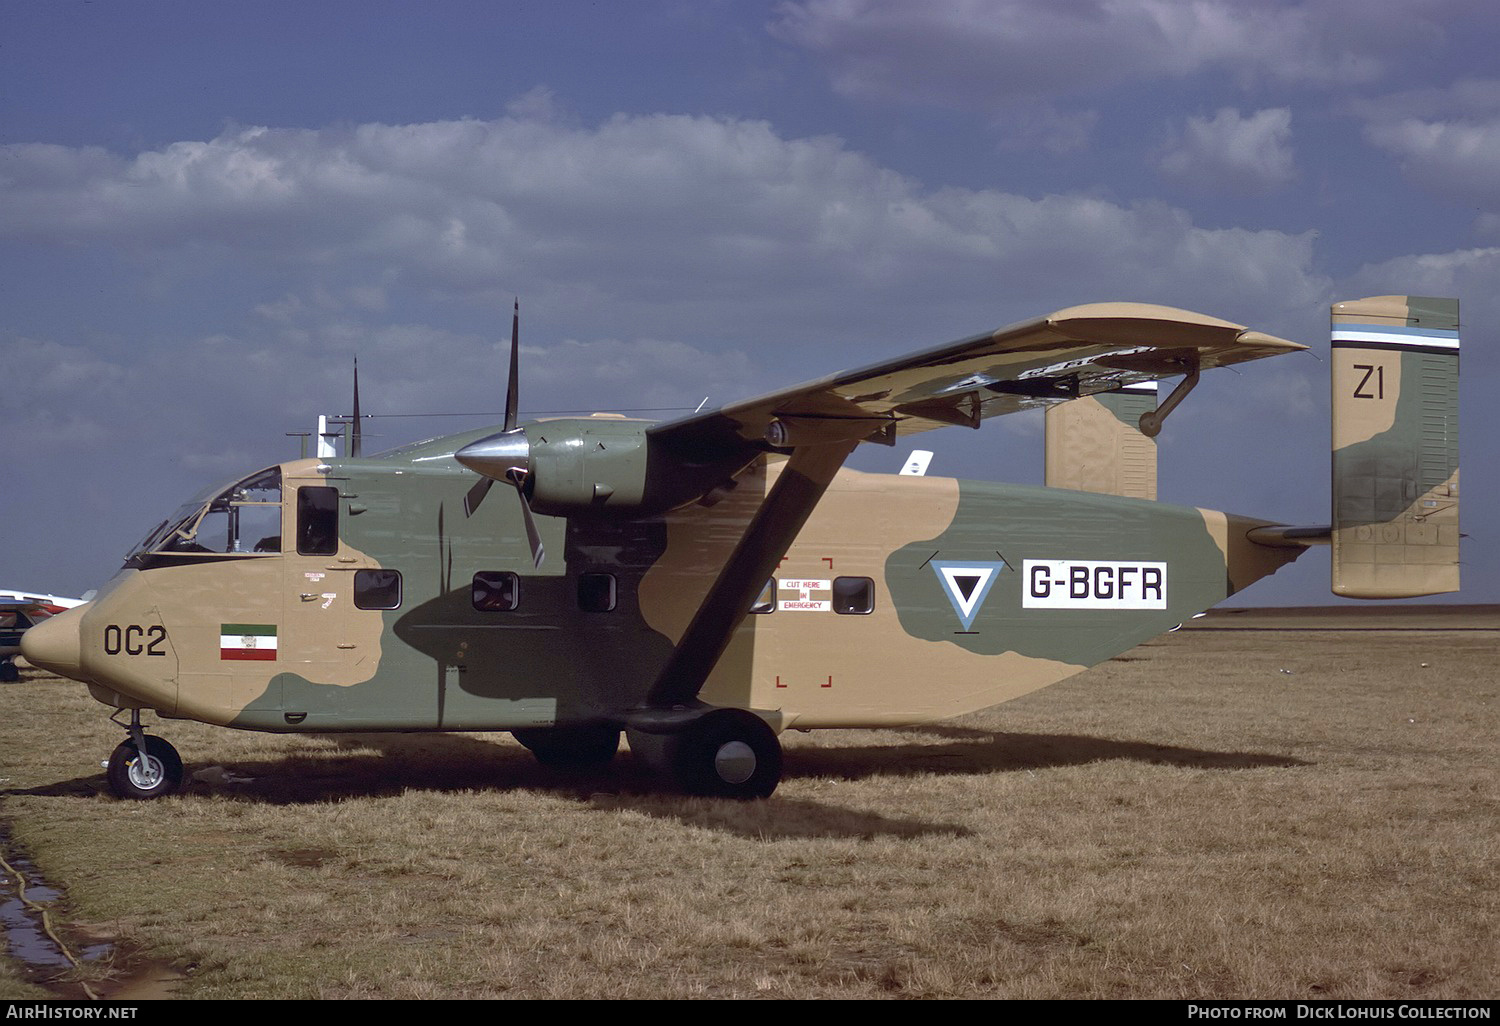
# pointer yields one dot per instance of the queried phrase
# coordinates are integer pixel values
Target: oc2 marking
(134, 639)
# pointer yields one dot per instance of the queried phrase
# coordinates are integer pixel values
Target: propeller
(355, 442)
(507, 455)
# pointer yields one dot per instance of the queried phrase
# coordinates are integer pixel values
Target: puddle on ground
(114, 970)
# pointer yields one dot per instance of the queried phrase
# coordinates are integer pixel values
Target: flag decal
(247, 641)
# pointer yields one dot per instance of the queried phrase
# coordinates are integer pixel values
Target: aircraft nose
(54, 645)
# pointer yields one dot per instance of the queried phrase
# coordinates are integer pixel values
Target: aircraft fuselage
(903, 600)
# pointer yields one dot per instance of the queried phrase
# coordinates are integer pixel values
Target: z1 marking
(1378, 370)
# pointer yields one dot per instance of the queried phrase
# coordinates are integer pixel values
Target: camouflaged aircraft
(721, 577)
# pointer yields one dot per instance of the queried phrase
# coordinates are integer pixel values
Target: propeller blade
(476, 495)
(512, 390)
(355, 445)
(533, 538)
(505, 453)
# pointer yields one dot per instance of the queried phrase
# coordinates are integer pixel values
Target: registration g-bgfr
(1093, 584)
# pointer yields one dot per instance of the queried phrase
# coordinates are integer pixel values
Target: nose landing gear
(154, 774)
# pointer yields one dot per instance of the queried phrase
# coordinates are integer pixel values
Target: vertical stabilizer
(1395, 447)
(1094, 444)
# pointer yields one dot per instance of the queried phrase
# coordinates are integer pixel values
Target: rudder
(1094, 444)
(1395, 446)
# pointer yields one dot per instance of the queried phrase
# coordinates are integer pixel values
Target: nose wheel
(143, 765)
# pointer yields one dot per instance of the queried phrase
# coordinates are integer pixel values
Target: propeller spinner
(505, 456)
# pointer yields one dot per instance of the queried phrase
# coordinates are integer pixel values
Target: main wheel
(155, 776)
(728, 753)
(571, 747)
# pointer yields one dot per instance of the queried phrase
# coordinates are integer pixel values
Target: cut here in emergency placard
(812, 596)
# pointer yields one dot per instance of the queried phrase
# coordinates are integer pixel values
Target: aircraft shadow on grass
(972, 751)
(386, 765)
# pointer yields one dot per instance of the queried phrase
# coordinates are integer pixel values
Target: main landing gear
(155, 774)
(722, 753)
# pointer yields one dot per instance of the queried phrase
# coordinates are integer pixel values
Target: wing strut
(775, 526)
(1151, 422)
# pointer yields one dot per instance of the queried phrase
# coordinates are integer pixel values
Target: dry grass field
(1218, 813)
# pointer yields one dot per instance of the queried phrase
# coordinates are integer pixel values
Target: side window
(377, 589)
(259, 528)
(496, 591)
(596, 592)
(317, 520)
(765, 602)
(853, 596)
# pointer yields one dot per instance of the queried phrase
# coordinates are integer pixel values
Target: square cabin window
(496, 591)
(596, 592)
(853, 596)
(377, 589)
(317, 520)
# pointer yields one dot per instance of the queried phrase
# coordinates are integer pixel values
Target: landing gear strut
(155, 774)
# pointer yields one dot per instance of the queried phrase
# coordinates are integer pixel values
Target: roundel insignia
(966, 584)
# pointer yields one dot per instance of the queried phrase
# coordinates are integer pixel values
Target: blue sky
(208, 210)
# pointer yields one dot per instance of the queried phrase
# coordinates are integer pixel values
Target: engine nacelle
(599, 465)
(587, 464)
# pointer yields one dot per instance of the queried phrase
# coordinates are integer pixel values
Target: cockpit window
(244, 518)
(12, 619)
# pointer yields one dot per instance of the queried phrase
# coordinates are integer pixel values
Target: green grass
(1186, 821)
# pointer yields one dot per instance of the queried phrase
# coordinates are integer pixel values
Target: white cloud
(1233, 153)
(1466, 273)
(539, 104)
(1468, 97)
(1455, 159)
(969, 53)
(1043, 126)
(1445, 139)
(710, 229)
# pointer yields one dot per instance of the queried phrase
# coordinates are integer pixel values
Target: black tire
(656, 753)
(159, 775)
(590, 747)
(9, 673)
(728, 753)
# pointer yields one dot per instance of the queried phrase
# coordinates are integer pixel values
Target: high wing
(1099, 347)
